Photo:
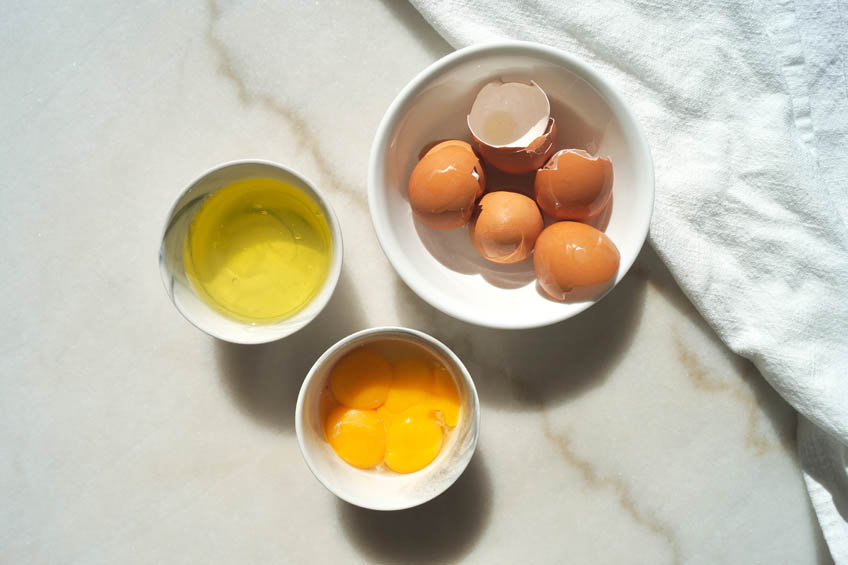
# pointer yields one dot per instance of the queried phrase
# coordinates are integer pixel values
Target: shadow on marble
(418, 27)
(520, 369)
(516, 368)
(443, 530)
(264, 380)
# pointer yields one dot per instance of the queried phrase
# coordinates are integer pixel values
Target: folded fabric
(746, 109)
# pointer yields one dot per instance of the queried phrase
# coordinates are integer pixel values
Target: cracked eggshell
(573, 185)
(506, 227)
(512, 126)
(570, 255)
(445, 185)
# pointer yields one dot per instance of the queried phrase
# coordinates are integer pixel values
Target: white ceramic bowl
(172, 266)
(372, 489)
(442, 267)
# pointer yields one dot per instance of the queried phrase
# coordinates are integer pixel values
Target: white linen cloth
(745, 105)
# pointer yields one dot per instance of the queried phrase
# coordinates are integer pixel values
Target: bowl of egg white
(510, 185)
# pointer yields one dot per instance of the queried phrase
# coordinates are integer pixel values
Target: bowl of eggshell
(510, 186)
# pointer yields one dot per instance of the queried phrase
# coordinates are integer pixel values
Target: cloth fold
(745, 105)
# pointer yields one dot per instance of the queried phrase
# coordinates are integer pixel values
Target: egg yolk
(386, 415)
(413, 440)
(357, 436)
(412, 380)
(445, 396)
(375, 412)
(361, 379)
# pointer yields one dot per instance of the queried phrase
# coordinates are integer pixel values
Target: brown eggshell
(523, 159)
(573, 185)
(569, 255)
(506, 227)
(445, 185)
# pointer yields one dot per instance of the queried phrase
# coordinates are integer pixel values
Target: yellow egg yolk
(412, 380)
(398, 414)
(361, 379)
(386, 415)
(357, 436)
(413, 440)
(445, 396)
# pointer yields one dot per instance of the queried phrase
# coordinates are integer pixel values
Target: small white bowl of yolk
(381, 488)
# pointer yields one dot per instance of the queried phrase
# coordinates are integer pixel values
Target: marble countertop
(627, 434)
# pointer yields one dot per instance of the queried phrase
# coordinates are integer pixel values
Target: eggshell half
(573, 185)
(512, 127)
(569, 255)
(522, 160)
(445, 185)
(506, 227)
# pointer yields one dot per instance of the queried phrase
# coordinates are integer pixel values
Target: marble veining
(594, 479)
(741, 391)
(754, 438)
(297, 124)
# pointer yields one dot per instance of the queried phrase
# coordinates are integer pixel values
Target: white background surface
(628, 433)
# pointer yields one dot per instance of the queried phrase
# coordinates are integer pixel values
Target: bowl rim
(333, 275)
(404, 98)
(375, 333)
